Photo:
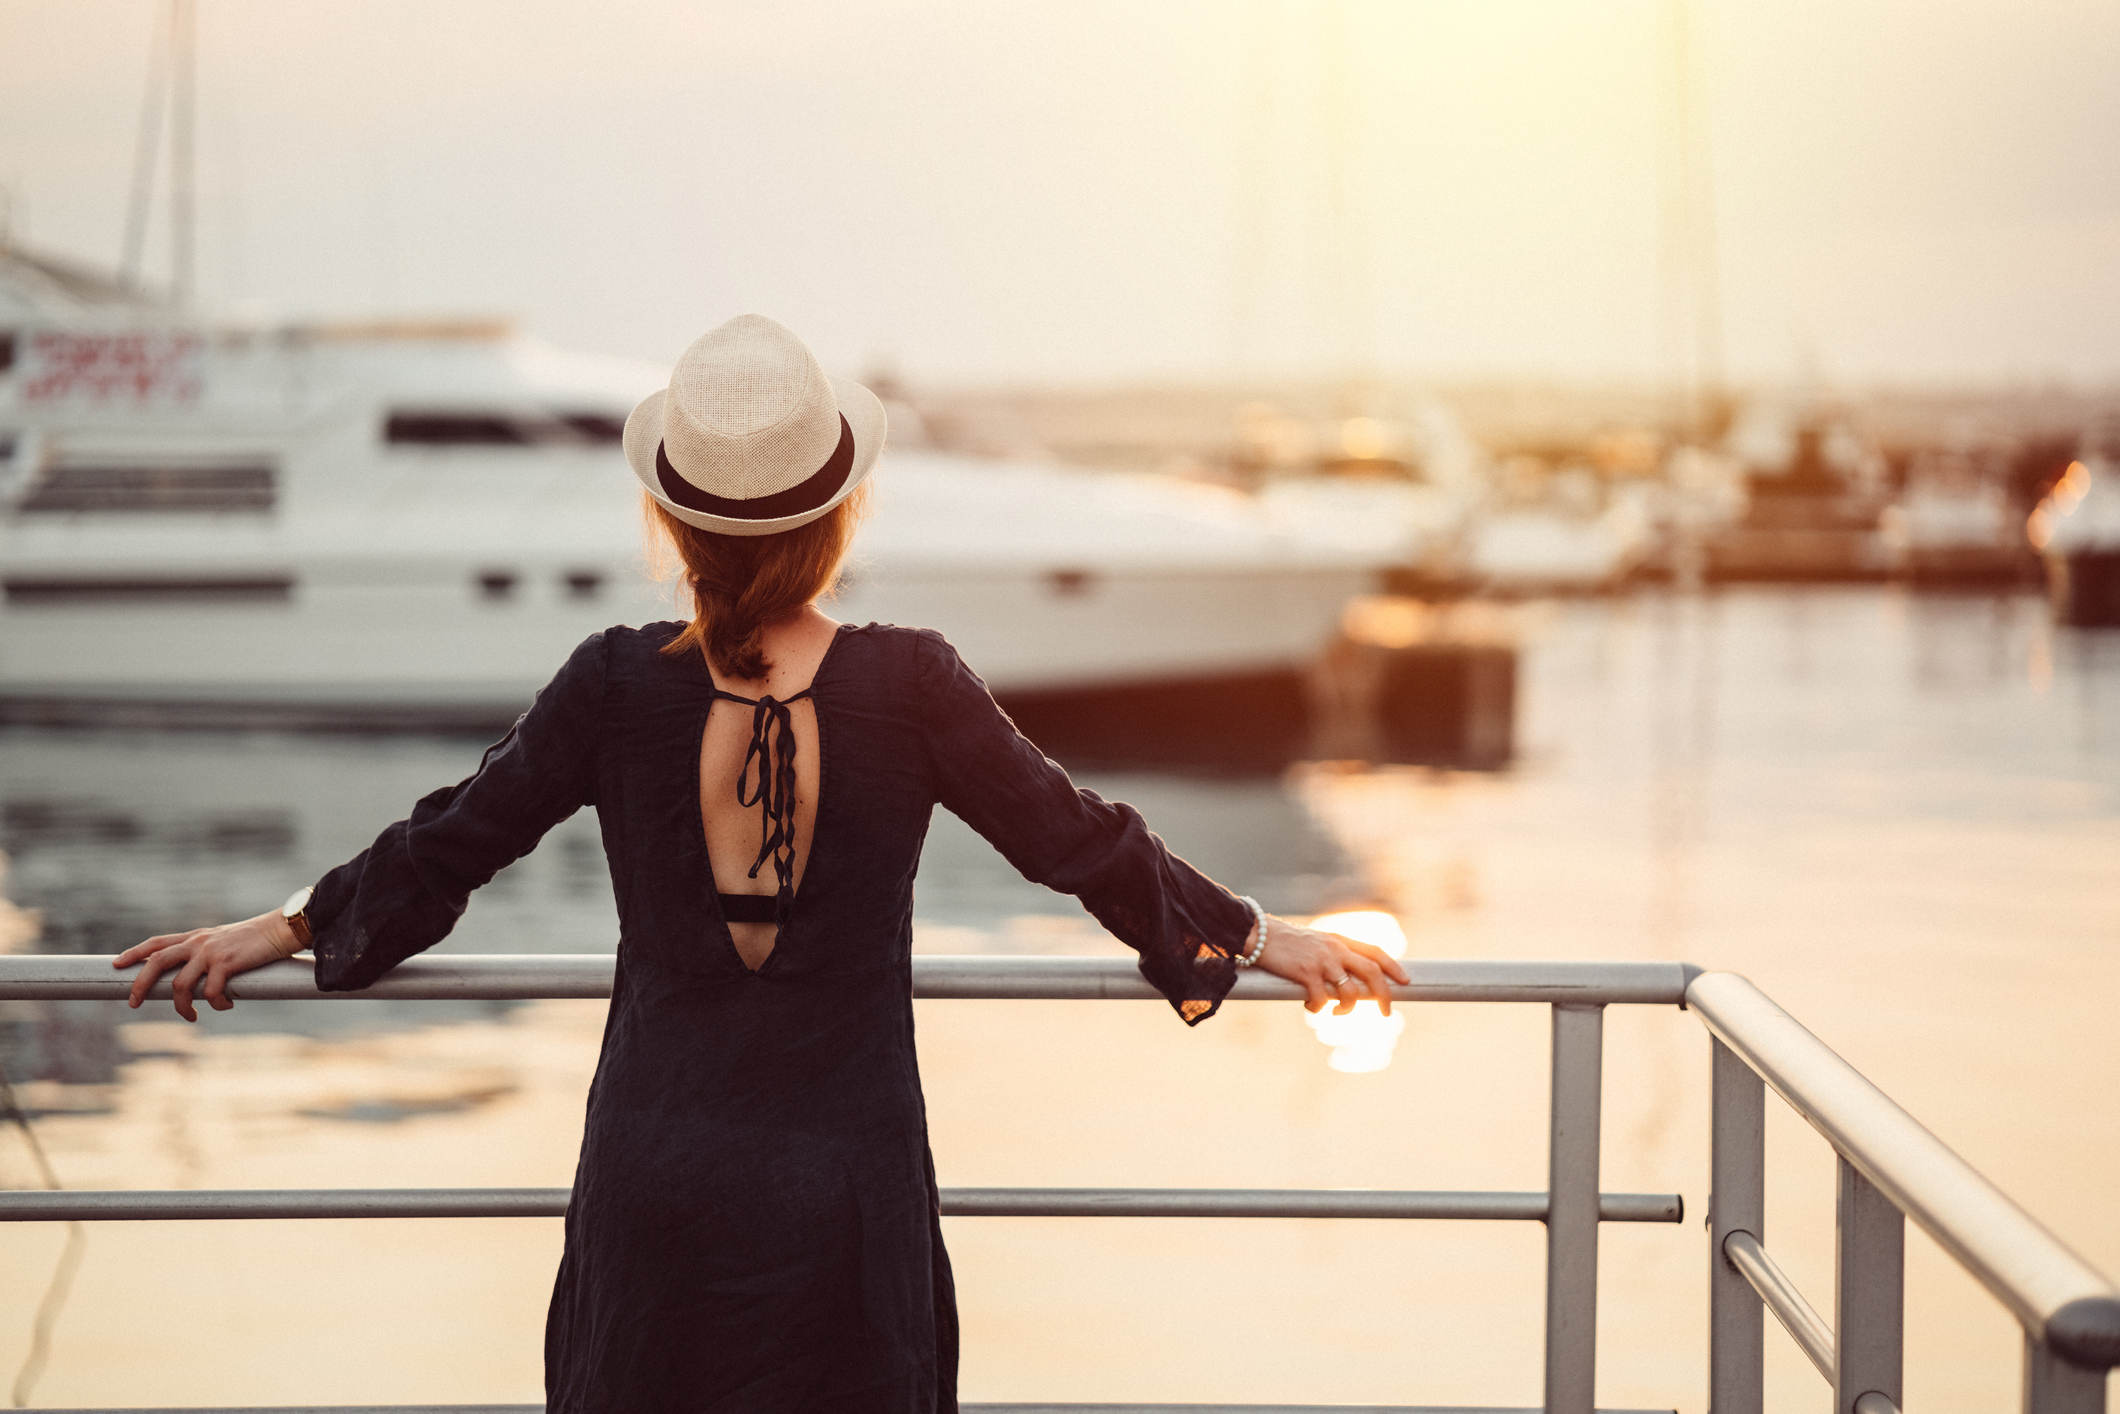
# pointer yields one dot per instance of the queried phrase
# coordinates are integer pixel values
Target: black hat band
(806, 495)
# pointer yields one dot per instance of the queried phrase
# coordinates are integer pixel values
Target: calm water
(113, 837)
(1900, 815)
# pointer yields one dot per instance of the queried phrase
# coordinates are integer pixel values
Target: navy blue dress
(755, 1221)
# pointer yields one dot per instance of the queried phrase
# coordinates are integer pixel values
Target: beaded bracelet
(1260, 946)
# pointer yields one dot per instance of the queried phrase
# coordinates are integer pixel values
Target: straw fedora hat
(751, 437)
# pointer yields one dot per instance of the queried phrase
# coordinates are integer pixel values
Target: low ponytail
(741, 583)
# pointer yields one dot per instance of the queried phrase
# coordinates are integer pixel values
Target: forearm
(279, 932)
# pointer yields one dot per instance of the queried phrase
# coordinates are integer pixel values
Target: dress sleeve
(405, 892)
(1186, 927)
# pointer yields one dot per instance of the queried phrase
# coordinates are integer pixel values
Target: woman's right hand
(216, 954)
(1332, 970)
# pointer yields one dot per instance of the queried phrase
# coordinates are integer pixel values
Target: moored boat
(1956, 525)
(2077, 528)
(1816, 516)
(415, 522)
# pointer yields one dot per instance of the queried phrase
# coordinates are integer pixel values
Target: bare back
(794, 647)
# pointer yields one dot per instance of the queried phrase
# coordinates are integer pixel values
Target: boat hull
(2086, 587)
(434, 647)
(419, 530)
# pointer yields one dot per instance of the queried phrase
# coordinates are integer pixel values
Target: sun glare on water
(1363, 1039)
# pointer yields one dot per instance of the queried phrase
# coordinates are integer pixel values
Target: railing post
(1737, 1202)
(2053, 1386)
(1572, 1207)
(1869, 1292)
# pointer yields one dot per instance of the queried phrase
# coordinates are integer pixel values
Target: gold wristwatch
(296, 912)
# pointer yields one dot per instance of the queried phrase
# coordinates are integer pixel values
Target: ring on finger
(1340, 981)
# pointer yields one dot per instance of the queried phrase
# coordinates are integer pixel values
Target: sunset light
(1362, 1040)
(928, 538)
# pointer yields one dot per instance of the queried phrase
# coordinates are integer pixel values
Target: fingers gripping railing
(1889, 1169)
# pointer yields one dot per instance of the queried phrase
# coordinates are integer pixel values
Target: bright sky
(1091, 190)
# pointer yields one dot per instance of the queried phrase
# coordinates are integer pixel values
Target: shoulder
(917, 651)
(624, 644)
(618, 652)
(620, 663)
(894, 659)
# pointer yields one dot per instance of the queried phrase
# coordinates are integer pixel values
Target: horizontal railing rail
(533, 976)
(966, 1408)
(158, 1205)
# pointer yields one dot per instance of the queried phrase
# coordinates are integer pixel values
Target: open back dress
(755, 1224)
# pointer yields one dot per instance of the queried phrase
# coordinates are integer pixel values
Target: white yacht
(1955, 523)
(1556, 548)
(418, 520)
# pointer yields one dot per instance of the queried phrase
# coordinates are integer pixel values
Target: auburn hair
(741, 583)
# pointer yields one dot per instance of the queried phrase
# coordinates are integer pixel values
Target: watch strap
(296, 912)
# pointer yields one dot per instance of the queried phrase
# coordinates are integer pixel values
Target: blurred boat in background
(2077, 528)
(415, 521)
(1547, 530)
(1956, 524)
(1049, 578)
(1413, 486)
(1816, 497)
(1395, 484)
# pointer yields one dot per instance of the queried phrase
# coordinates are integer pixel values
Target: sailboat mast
(1690, 245)
(183, 48)
(1253, 190)
(147, 157)
(1349, 290)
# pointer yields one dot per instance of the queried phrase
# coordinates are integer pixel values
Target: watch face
(297, 901)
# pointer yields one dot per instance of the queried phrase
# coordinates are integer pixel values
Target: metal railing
(1888, 1164)
(1890, 1169)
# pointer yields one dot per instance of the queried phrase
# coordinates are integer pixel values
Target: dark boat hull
(2086, 587)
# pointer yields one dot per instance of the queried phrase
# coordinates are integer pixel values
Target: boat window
(501, 429)
(458, 429)
(160, 489)
(7, 349)
(272, 588)
(596, 426)
(1067, 584)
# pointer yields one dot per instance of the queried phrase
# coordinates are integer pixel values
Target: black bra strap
(748, 908)
(773, 749)
(727, 696)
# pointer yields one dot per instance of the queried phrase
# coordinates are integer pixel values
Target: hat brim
(865, 419)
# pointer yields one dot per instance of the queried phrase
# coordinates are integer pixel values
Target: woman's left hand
(216, 954)
(1329, 968)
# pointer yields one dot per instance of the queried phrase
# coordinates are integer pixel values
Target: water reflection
(78, 861)
(1363, 1040)
(1670, 701)
(111, 837)
(1900, 814)
(1682, 734)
